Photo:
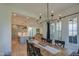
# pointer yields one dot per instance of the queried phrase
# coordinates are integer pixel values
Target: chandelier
(49, 16)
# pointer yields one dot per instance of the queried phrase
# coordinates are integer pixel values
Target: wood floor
(18, 49)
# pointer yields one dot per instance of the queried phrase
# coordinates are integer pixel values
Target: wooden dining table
(49, 50)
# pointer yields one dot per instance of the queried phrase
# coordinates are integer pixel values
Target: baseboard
(7, 54)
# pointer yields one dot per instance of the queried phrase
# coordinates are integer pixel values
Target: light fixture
(50, 15)
(52, 24)
(14, 14)
(29, 28)
(59, 16)
(27, 17)
(40, 15)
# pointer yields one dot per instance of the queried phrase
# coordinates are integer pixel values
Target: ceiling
(37, 8)
(18, 19)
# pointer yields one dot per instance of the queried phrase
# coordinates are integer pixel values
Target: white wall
(65, 33)
(1, 48)
(5, 30)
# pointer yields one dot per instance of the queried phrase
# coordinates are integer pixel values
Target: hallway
(18, 49)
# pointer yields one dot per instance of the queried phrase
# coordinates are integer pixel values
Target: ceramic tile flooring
(18, 49)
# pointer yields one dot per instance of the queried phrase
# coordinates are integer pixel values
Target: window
(31, 31)
(52, 31)
(73, 30)
(55, 31)
(37, 31)
(58, 30)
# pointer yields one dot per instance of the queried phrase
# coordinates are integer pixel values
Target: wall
(1, 47)
(5, 30)
(65, 33)
(65, 36)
